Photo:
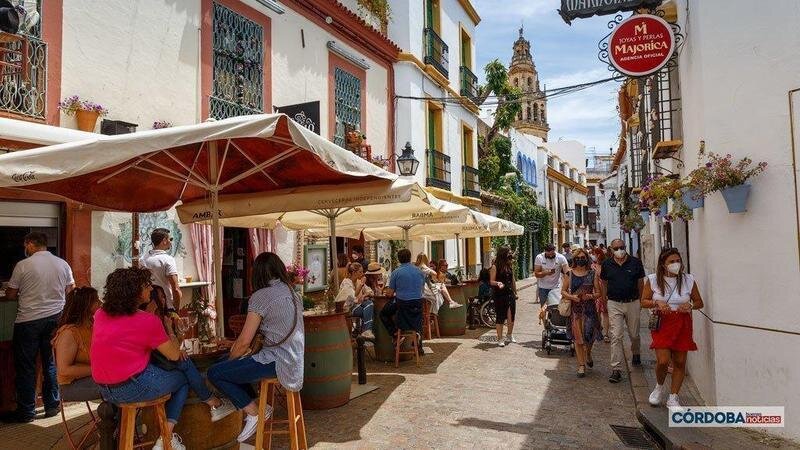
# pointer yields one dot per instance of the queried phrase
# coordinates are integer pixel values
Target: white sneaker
(177, 443)
(511, 339)
(222, 411)
(657, 396)
(673, 402)
(251, 424)
(502, 343)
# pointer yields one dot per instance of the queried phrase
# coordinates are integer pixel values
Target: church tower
(522, 74)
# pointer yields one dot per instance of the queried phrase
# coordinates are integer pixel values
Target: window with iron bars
(347, 104)
(23, 73)
(238, 63)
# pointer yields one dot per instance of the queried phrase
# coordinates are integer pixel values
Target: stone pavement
(468, 393)
(643, 380)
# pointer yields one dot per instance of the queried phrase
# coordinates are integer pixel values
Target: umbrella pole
(405, 237)
(217, 250)
(458, 253)
(334, 250)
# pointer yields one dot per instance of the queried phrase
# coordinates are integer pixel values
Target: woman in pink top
(122, 341)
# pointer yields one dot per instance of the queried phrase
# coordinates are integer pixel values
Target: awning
(39, 134)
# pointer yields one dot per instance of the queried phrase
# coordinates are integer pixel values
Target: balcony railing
(23, 75)
(438, 169)
(436, 52)
(469, 84)
(469, 177)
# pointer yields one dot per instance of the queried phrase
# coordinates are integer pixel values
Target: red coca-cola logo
(641, 45)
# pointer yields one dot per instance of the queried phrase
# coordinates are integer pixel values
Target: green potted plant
(632, 221)
(720, 173)
(656, 192)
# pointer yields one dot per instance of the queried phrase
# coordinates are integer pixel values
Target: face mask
(594, 258)
(674, 268)
(354, 256)
(619, 253)
(581, 262)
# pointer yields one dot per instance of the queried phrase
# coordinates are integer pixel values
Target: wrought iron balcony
(23, 75)
(436, 51)
(469, 84)
(438, 169)
(469, 179)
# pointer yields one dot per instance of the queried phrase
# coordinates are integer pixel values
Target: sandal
(581, 371)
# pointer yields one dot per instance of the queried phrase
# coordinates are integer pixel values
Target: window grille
(347, 106)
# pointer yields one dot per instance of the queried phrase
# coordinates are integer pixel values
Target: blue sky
(564, 55)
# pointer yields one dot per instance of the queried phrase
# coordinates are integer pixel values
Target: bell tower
(522, 74)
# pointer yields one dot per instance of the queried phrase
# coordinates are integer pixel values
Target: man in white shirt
(40, 284)
(162, 265)
(547, 268)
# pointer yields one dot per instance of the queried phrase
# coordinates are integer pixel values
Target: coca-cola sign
(23, 177)
(641, 45)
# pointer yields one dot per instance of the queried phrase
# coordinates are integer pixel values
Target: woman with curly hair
(122, 340)
(71, 345)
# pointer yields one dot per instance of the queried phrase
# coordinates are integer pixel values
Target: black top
(507, 278)
(622, 279)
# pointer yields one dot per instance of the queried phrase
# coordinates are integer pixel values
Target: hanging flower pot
(662, 210)
(645, 215)
(736, 198)
(86, 119)
(693, 198)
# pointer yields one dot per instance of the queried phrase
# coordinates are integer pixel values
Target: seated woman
(158, 307)
(122, 341)
(376, 277)
(357, 298)
(71, 345)
(428, 268)
(443, 275)
(275, 311)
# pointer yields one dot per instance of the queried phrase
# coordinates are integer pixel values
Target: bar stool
(127, 425)
(430, 321)
(399, 344)
(294, 419)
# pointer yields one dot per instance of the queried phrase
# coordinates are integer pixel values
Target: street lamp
(613, 201)
(407, 164)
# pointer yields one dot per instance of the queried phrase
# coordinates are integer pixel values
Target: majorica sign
(641, 45)
(573, 9)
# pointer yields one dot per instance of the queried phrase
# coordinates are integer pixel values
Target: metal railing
(469, 179)
(438, 169)
(23, 76)
(469, 84)
(436, 51)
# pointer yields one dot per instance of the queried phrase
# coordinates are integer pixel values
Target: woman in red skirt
(672, 294)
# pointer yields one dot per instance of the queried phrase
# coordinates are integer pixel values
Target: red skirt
(674, 333)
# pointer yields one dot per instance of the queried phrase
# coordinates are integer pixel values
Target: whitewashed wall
(739, 62)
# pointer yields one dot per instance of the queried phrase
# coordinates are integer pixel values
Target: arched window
(543, 118)
(516, 82)
(533, 173)
(530, 81)
(519, 161)
(536, 112)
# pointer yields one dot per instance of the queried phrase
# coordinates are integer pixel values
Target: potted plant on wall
(657, 191)
(632, 221)
(86, 113)
(720, 173)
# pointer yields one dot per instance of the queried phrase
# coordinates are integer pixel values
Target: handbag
(258, 340)
(564, 304)
(655, 318)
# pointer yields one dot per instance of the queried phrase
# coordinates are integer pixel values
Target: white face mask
(674, 268)
(354, 256)
(594, 258)
(619, 253)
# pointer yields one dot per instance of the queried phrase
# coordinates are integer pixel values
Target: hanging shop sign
(641, 45)
(306, 114)
(574, 9)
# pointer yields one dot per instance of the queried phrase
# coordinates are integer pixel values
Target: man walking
(547, 268)
(406, 284)
(566, 252)
(622, 278)
(162, 266)
(40, 284)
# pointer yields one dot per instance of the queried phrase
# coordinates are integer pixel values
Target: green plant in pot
(720, 173)
(657, 191)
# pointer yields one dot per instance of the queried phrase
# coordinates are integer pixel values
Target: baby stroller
(555, 329)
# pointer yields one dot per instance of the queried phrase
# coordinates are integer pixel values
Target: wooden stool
(399, 343)
(127, 425)
(295, 421)
(430, 322)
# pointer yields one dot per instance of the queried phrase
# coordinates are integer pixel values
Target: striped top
(274, 305)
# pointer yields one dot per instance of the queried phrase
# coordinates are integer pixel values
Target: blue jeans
(233, 378)
(155, 382)
(366, 311)
(32, 338)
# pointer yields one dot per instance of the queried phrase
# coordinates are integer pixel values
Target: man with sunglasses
(162, 266)
(622, 278)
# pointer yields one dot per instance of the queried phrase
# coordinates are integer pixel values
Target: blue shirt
(407, 282)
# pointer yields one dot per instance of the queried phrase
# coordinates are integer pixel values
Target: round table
(384, 350)
(328, 360)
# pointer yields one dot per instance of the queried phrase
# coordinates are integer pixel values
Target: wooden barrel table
(457, 293)
(384, 350)
(195, 426)
(452, 321)
(471, 289)
(328, 361)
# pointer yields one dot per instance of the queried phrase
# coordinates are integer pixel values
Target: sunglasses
(618, 248)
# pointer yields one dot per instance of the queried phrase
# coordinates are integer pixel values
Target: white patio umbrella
(270, 157)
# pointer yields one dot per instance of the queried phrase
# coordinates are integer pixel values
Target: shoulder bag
(655, 317)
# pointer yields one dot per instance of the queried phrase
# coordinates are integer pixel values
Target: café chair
(72, 434)
(430, 321)
(296, 424)
(398, 346)
(127, 425)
